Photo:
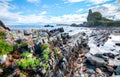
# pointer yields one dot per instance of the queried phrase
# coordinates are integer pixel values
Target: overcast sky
(55, 11)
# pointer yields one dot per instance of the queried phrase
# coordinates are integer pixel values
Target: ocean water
(68, 29)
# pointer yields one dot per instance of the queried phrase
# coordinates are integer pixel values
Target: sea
(67, 29)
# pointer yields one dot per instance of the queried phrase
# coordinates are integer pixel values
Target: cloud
(10, 18)
(108, 10)
(69, 19)
(98, 1)
(79, 10)
(117, 3)
(87, 1)
(33, 1)
(5, 14)
(43, 12)
(72, 1)
(43, 19)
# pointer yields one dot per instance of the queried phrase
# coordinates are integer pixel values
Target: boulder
(117, 71)
(102, 56)
(48, 26)
(27, 33)
(110, 55)
(110, 70)
(61, 29)
(95, 60)
(118, 44)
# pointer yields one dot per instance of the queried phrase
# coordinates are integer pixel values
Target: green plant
(44, 66)
(4, 47)
(25, 54)
(45, 56)
(23, 75)
(31, 62)
(47, 51)
(21, 45)
(56, 50)
(30, 43)
(2, 33)
(37, 61)
(25, 63)
(44, 46)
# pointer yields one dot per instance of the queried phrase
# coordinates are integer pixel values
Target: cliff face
(3, 27)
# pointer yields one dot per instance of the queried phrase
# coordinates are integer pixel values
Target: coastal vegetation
(25, 54)
(28, 62)
(4, 46)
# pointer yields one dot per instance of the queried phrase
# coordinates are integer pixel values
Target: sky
(14, 12)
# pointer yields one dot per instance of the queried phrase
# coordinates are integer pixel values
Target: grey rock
(95, 60)
(117, 71)
(118, 44)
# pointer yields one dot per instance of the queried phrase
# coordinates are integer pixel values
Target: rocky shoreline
(55, 53)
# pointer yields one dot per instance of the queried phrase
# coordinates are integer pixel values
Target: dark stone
(37, 49)
(117, 71)
(101, 56)
(118, 58)
(26, 33)
(48, 26)
(110, 70)
(96, 60)
(118, 44)
(3, 25)
(19, 41)
(61, 29)
(110, 55)
(9, 70)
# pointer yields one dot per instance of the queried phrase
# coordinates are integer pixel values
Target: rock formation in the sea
(96, 19)
(48, 25)
(3, 27)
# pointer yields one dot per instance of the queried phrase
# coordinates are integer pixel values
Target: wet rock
(90, 71)
(102, 56)
(48, 26)
(58, 74)
(27, 33)
(19, 41)
(118, 44)
(118, 58)
(61, 29)
(109, 70)
(8, 70)
(95, 60)
(117, 71)
(110, 55)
